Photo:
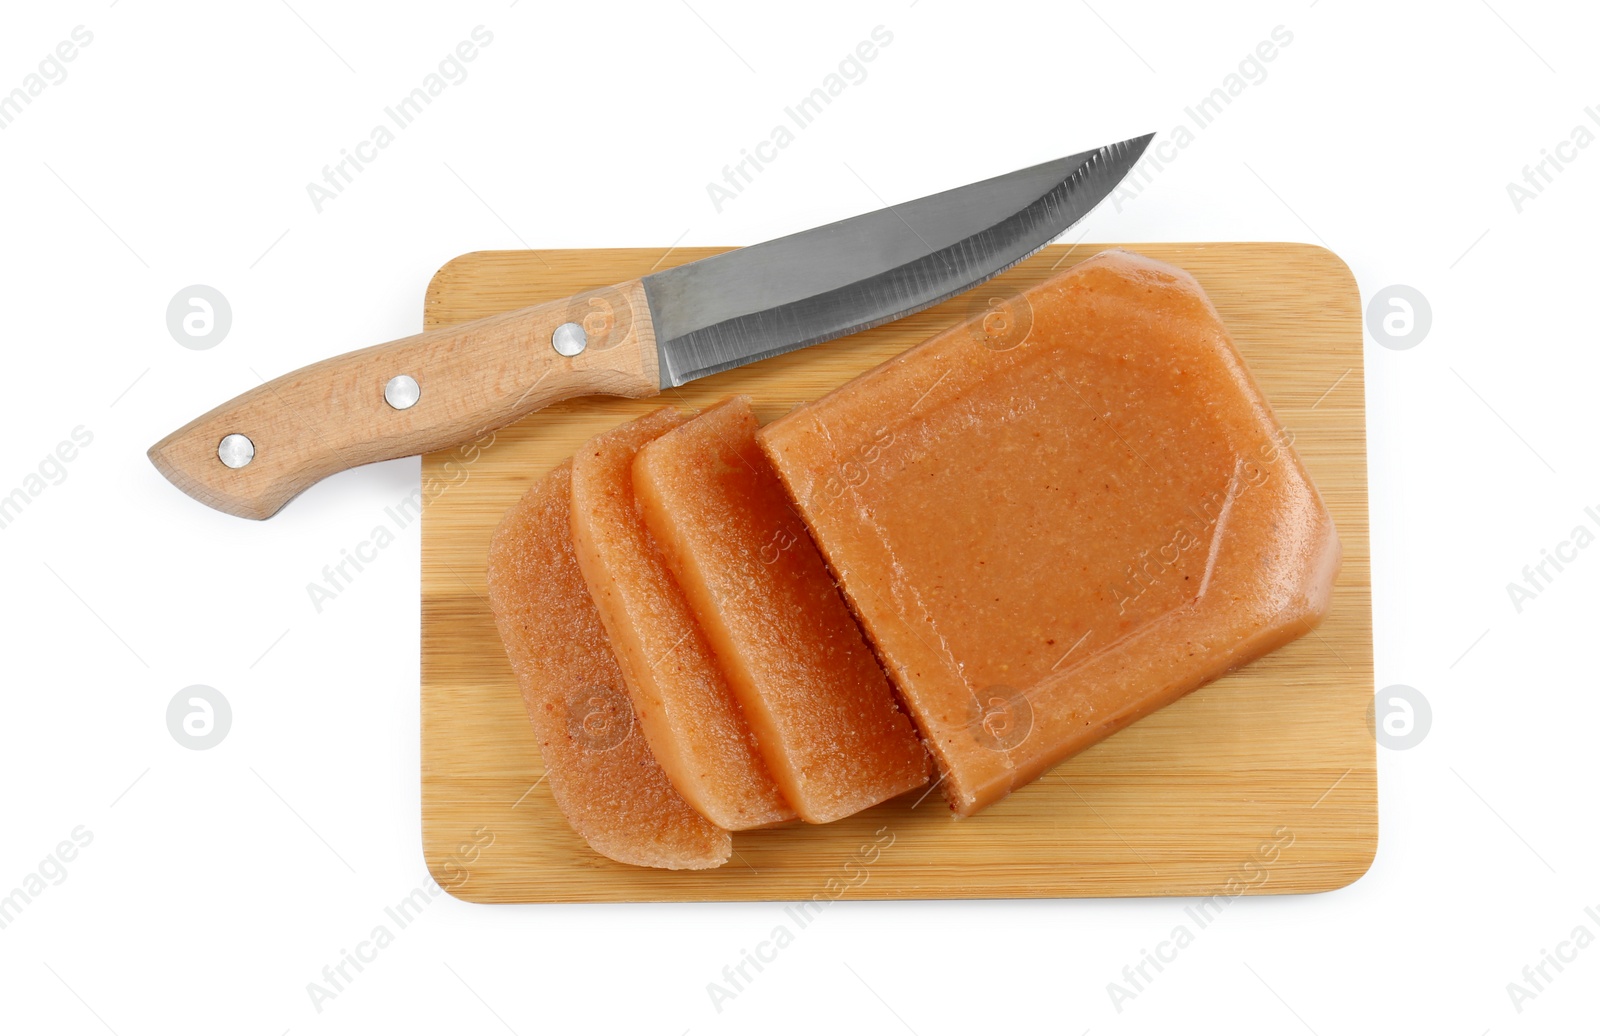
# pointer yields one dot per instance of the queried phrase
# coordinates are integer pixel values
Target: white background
(219, 883)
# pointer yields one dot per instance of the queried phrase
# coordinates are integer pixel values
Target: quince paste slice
(694, 724)
(822, 710)
(1060, 516)
(601, 772)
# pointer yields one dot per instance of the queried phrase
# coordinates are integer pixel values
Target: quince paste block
(1060, 516)
(601, 772)
(695, 726)
(822, 710)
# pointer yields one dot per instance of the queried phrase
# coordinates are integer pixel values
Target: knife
(253, 454)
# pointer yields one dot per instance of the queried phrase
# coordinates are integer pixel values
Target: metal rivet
(402, 392)
(569, 339)
(236, 450)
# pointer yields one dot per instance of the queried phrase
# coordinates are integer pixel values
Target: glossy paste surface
(823, 712)
(1059, 516)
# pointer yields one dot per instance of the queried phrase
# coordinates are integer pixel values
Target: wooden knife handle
(472, 377)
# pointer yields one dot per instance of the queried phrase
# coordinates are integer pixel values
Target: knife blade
(253, 454)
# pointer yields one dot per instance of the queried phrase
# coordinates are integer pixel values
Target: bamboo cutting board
(1262, 782)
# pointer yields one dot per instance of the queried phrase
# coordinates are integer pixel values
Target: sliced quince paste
(695, 726)
(822, 710)
(600, 770)
(1060, 516)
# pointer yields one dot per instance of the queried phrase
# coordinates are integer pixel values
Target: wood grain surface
(332, 416)
(1262, 782)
